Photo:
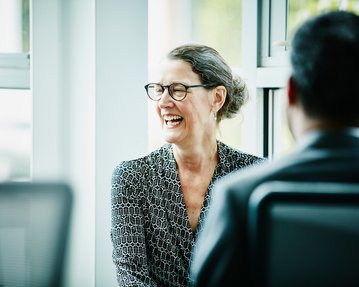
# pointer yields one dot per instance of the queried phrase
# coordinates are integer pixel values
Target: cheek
(203, 108)
(199, 115)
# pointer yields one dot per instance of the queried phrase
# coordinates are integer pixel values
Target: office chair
(34, 225)
(304, 234)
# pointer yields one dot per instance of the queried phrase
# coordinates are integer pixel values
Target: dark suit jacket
(220, 259)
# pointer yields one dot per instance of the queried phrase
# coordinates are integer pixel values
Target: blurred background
(72, 102)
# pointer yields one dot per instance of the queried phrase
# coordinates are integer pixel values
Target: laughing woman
(159, 201)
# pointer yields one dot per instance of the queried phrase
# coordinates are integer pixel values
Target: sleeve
(216, 256)
(127, 227)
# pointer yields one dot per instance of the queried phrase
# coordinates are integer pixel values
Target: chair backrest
(304, 234)
(34, 225)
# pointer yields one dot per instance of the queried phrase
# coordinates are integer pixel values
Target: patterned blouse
(151, 235)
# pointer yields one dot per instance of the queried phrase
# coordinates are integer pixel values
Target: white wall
(89, 65)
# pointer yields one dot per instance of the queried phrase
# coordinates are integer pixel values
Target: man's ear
(219, 97)
(291, 92)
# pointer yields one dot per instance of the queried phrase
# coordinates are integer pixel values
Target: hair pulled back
(210, 66)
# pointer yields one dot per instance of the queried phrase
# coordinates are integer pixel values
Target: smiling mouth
(172, 121)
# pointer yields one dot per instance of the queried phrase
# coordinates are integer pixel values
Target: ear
(219, 97)
(291, 92)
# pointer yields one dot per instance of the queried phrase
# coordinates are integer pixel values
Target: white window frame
(14, 71)
(266, 66)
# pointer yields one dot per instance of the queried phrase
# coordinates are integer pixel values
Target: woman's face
(191, 120)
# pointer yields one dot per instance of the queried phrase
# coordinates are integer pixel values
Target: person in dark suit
(323, 115)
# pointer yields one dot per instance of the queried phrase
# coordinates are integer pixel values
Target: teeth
(172, 124)
(171, 118)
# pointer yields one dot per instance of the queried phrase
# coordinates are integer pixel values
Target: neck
(311, 125)
(196, 157)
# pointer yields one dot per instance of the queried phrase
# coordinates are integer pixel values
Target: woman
(159, 201)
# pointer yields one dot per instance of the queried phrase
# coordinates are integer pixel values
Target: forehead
(176, 71)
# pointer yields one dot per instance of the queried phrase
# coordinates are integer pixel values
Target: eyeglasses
(177, 91)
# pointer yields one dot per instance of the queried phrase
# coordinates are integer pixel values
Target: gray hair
(212, 68)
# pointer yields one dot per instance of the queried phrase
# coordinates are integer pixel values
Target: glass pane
(299, 11)
(283, 141)
(218, 24)
(25, 26)
(14, 26)
(15, 134)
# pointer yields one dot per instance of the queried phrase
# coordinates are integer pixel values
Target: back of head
(325, 59)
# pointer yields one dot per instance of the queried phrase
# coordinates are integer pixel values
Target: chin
(172, 135)
(171, 138)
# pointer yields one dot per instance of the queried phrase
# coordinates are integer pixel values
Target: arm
(127, 231)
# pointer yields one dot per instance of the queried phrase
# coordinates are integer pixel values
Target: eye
(158, 90)
(155, 88)
(178, 88)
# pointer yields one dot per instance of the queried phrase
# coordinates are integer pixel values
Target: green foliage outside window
(219, 24)
(25, 26)
(299, 11)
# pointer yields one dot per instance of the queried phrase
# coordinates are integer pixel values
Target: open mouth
(172, 121)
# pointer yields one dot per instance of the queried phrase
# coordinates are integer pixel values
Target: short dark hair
(325, 63)
(211, 67)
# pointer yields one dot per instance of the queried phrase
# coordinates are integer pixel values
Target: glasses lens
(178, 91)
(154, 91)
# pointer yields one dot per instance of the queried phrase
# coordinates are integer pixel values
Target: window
(299, 11)
(218, 24)
(15, 95)
(278, 22)
(277, 137)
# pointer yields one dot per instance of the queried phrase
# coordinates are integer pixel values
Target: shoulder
(235, 156)
(242, 182)
(140, 167)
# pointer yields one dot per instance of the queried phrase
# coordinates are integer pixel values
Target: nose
(166, 100)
